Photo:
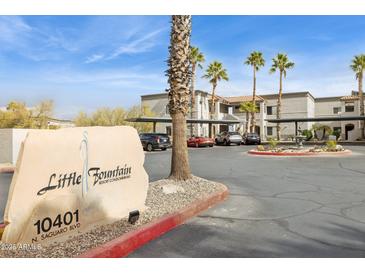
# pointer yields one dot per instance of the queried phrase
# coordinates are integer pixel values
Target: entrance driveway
(278, 207)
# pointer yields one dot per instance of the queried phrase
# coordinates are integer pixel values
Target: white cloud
(142, 44)
(139, 45)
(94, 58)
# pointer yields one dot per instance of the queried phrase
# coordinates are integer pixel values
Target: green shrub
(308, 134)
(337, 133)
(273, 143)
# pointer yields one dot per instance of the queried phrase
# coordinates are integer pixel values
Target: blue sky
(87, 62)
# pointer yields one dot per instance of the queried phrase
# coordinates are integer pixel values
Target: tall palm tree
(256, 60)
(248, 107)
(179, 78)
(196, 58)
(281, 63)
(358, 66)
(215, 73)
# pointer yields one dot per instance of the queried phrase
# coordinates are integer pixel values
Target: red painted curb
(268, 153)
(127, 243)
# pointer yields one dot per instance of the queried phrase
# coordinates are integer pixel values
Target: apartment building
(294, 105)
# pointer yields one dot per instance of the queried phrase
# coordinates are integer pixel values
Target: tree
(178, 94)
(358, 66)
(280, 63)
(137, 111)
(115, 117)
(42, 112)
(256, 60)
(18, 115)
(325, 129)
(82, 120)
(196, 58)
(248, 107)
(215, 73)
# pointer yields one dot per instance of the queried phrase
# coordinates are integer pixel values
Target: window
(269, 131)
(349, 107)
(271, 110)
(336, 110)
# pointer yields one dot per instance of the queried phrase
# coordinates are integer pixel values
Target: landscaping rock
(164, 197)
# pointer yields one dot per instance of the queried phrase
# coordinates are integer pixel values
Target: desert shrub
(331, 145)
(273, 143)
(260, 148)
(308, 134)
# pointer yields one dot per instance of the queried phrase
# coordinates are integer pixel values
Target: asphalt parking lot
(278, 207)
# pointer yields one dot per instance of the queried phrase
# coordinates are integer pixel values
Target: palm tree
(281, 63)
(179, 78)
(215, 72)
(256, 60)
(248, 107)
(196, 58)
(358, 66)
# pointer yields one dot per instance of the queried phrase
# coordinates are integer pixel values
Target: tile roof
(246, 98)
(350, 97)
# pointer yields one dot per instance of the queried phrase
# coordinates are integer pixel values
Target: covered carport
(156, 120)
(315, 119)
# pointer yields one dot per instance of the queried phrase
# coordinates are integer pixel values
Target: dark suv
(251, 138)
(151, 141)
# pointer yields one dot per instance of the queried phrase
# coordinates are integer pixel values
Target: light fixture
(133, 217)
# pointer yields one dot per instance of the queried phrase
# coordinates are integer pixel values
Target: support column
(154, 127)
(296, 129)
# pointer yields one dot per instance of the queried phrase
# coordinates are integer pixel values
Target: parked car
(251, 138)
(228, 137)
(200, 142)
(152, 141)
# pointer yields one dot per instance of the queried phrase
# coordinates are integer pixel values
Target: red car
(200, 142)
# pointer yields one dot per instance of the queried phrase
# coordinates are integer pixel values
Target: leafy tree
(358, 66)
(255, 60)
(115, 117)
(280, 63)
(248, 107)
(179, 78)
(18, 115)
(137, 111)
(82, 120)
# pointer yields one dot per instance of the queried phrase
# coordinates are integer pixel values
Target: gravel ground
(158, 204)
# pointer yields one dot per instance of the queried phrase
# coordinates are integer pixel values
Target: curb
(267, 153)
(130, 241)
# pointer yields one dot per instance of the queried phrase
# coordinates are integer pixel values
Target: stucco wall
(6, 145)
(10, 143)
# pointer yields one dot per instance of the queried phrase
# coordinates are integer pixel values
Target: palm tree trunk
(180, 168)
(212, 113)
(179, 80)
(278, 111)
(192, 103)
(247, 122)
(361, 95)
(253, 114)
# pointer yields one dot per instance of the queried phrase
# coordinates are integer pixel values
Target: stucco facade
(294, 105)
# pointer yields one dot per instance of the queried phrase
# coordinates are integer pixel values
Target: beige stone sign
(70, 180)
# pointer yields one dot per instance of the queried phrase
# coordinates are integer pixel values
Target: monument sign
(70, 180)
